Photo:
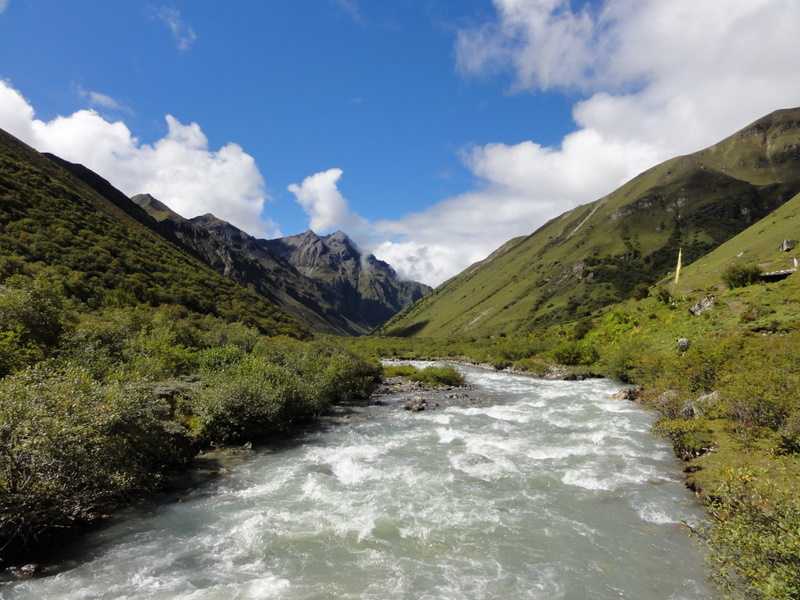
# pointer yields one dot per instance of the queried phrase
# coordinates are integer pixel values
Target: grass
(604, 252)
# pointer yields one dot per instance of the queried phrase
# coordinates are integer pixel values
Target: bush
(690, 438)
(399, 371)
(433, 376)
(762, 386)
(535, 365)
(755, 536)
(32, 320)
(738, 275)
(282, 382)
(249, 401)
(69, 444)
(573, 353)
(439, 376)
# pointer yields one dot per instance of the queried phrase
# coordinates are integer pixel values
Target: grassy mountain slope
(610, 249)
(759, 244)
(106, 251)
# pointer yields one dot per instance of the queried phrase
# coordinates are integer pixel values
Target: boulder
(683, 344)
(788, 245)
(702, 306)
(689, 410)
(666, 401)
(26, 571)
(705, 403)
(416, 404)
(632, 394)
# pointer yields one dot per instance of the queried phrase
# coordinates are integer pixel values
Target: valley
(135, 341)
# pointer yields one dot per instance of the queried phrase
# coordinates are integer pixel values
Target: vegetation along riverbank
(725, 382)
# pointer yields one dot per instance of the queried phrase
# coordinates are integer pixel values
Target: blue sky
(302, 85)
(430, 130)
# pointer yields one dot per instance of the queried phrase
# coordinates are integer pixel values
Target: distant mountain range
(324, 281)
(115, 250)
(615, 247)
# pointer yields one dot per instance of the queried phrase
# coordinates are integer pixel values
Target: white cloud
(178, 169)
(3, 5)
(352, 9)
(327, 209)
(655, 79)
(103, 100)
(182, 32)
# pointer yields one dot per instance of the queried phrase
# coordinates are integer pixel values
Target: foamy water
(551, 490)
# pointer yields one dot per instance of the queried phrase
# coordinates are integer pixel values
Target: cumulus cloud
(326, 207)
(182, 32)
(179, 169)
(654, 79)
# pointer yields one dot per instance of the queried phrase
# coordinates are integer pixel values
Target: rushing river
(546, 489)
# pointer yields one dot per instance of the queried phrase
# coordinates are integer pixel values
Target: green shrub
(573, 353)
(32, 320)
(535, 365)
(762, 386)
(738, 275)
(282, 382)
(69, 444)
(218, 358)
(250, 401)
(755, 536)
(439, 376)
(399, 370)
(433, 376)
(690, 438)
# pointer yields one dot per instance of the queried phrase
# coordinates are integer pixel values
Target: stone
(630, 394)
(705, 403)
(416, 404)
(702, 306)
(689, 410)
(26, 571)
(788, 245)
(666, 401)
(683, 344)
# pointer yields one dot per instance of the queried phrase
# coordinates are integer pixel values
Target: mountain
(59, 217)
(324, 281)
(761, 244)
(613, 248)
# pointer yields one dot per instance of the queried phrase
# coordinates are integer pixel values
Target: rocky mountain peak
(157, 209)
(323, 280)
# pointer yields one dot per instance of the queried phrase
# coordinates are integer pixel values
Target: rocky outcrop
(325, 281)
(703, 305)
(701, 406)
(416, 404)
(366, 288)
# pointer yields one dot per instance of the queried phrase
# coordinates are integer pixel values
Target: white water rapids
(545, 490)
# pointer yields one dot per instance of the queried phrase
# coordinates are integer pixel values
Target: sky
(431, 131)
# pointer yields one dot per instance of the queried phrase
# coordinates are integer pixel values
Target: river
(544, 489)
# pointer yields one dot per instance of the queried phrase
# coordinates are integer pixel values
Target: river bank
(544, 489)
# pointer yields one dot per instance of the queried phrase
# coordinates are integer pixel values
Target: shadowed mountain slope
(610, 249)
(105, 249)
(324, 281)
